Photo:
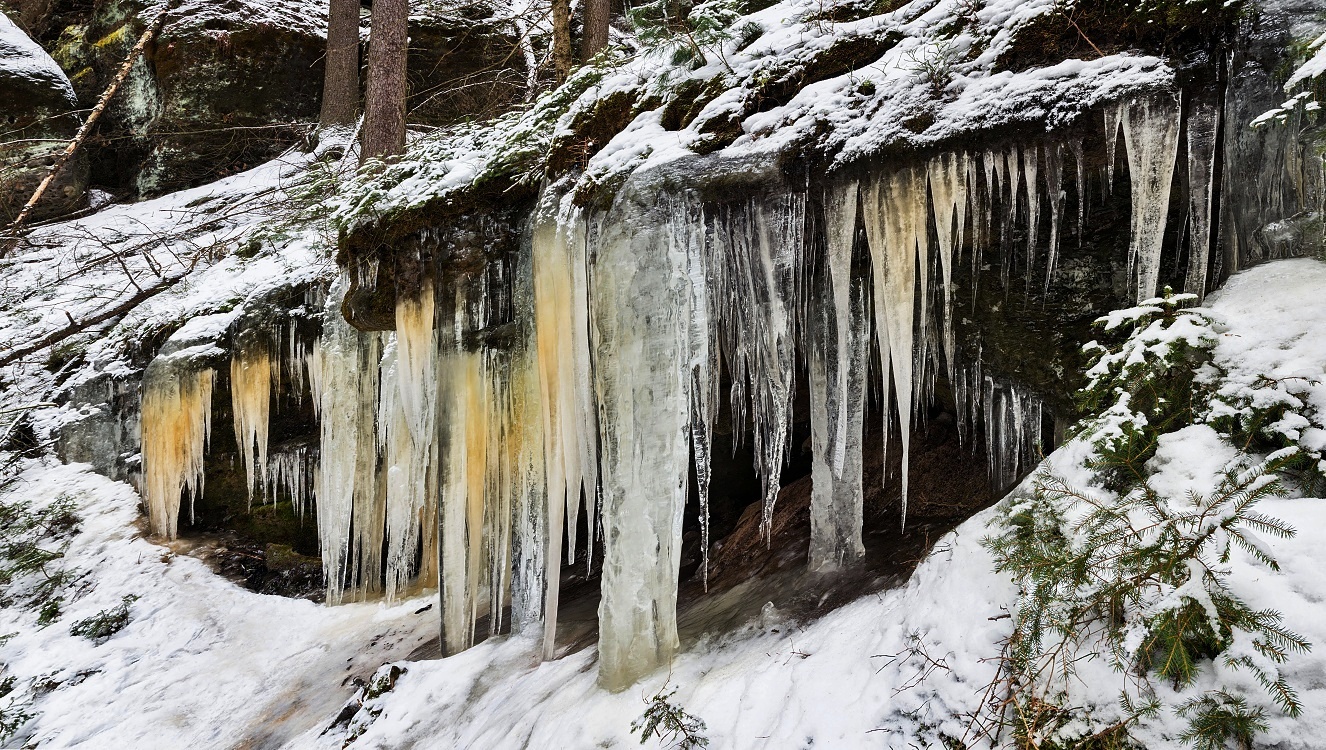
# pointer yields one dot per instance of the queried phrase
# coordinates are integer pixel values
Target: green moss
(590, 131)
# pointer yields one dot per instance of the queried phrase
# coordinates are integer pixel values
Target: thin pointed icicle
(1114, 117)
(839, 338)
(757, 262)
(1151, 135)
(895, 218)
(1080, 160)
(1054, 184)
(1031, 164)
(250, 396)
(1203, 126)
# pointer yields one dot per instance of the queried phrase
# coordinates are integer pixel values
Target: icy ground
(204, 663)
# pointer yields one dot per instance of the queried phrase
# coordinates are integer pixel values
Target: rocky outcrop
(38, 119)
(222, 88)
(229, 84)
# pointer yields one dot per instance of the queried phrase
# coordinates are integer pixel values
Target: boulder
(37, 111)
(221, 89)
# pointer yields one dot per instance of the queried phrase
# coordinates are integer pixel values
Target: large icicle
(1151, 135)
(343, 375)
(251, 369)
(406, 427)
(686, 228)
(895, 213)
(1203, 127)
(176, 423)
(839, 332)
(464, 477)
(561, 314)
(640, 296)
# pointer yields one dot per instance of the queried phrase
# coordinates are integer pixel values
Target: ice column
(176, 422)
(1151, 135)
(640, 295)
(1203, 126)
(839, 331)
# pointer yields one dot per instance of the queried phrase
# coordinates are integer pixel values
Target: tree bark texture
(597, 15)
(561, 52)
(384, 97)
(340, 86)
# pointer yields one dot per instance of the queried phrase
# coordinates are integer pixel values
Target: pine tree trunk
(597, 13)
(340, 86)
(561, 52)
(384, 98)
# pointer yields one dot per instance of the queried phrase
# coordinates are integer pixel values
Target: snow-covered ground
(204, 663)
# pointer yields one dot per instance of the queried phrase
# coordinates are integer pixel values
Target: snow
(203, 663)
(208, 664)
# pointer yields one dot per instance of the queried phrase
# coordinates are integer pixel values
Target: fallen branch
(88, 124)
(56, 337)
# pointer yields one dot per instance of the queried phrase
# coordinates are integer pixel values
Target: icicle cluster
(177, 421)
(447, 461)
(251, 376)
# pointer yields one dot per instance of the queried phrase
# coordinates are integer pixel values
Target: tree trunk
(384, 99)
(340, 86)
(597, 13)
(561, 52)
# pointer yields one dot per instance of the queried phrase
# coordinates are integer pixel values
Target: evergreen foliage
(1132, 574)
(105, 623)
(33, 539)
(670, 723)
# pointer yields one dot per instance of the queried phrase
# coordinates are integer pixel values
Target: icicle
(291, 472)
(948, 189)
(176, 423)
(561, 311)
(1080, 160)
(1203, 126)
(757, 262)
(1054, 184)
(528, 486)
(1031, 164)
(464, 477)
(1151, 134)
(250, 395)
(686, 232)
(640, 295)
(895, 214)
(1114, 117)
(839, 346)
(343, 372)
